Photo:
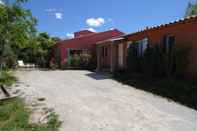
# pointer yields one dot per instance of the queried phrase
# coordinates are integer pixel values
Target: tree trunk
(7, 94)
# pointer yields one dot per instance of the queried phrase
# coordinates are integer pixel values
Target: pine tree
(191, 9)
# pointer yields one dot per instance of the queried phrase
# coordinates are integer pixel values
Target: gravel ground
(87, 101)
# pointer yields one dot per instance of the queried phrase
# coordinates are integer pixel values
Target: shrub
(6, 78)
(83, 61)
(155, 62)
(182, 53)
(133, 62)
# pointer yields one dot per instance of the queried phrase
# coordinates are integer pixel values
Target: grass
(181, 91)
(14, 116)
(7, 78)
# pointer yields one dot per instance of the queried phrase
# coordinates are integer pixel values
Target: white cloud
(1, 2)
(95, 22)
(58, 15)
(70, 35)
(91, 29)
(53, 11)
(50, 10)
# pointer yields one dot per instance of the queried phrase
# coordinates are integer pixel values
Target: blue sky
(63, 17)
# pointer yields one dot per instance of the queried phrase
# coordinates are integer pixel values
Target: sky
(63, 17)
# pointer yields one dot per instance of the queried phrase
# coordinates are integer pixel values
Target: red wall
(86, 42)
(185, 33)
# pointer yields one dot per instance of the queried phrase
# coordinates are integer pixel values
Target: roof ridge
(96, 33)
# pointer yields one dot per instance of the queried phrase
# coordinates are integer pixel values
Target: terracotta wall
(184, 32)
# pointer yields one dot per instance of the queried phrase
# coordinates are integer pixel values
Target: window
(169, 42)
(129, 44)
(142, 46)
(104, 51)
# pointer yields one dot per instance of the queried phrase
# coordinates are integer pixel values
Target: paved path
(87, 101)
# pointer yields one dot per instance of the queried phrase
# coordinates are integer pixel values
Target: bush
(6, 78)
(157, 63)
(182, 53)
(133, 62)
(14, 116)
(83, 61)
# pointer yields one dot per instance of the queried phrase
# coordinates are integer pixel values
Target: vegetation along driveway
(87, 101)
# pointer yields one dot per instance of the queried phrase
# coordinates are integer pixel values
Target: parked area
(88, 101)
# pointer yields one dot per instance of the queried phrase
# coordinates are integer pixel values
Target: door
(120, 55)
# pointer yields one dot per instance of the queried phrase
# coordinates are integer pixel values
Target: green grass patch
(181, 91)
(7, 78)
(15, 117)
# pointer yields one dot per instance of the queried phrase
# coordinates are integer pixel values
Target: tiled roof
(90, 39)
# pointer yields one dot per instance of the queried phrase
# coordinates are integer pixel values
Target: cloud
(70, 35)
(91, 29)
(53, 11)
(95, 22)
(59, 15)
(1, 2)
(50, 10)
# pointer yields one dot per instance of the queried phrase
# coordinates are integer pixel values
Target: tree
(191, 10)
(17, 27)
(44, 48)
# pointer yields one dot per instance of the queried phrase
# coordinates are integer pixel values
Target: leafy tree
(191, 9)
(44, 49)
(17, 27)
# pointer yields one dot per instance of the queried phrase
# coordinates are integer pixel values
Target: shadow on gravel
(98, 76)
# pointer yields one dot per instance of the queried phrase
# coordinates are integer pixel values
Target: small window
(129, 44)
(169, 42)
(142, 45)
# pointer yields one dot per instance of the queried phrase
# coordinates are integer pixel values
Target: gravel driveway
(87, 101)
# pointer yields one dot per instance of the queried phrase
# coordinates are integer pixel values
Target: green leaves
(17, 27)
(191, 9)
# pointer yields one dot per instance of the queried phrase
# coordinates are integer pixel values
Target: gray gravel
(87, 101)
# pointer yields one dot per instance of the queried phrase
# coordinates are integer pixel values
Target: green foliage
(133, 61)
(19, 38)
(191, 9)
(83, 61)
(182, 52)
(6, 78)
(16, 28)
(15, 116)
(157, 63)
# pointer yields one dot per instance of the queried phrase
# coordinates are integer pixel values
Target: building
(83, 42)
(181, 32)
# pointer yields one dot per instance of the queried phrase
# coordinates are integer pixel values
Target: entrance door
(120, 55)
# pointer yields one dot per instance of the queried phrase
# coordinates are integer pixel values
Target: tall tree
(191, 9)
(17, 26)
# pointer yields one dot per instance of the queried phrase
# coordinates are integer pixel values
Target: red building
(183, 31)
(83, 42)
